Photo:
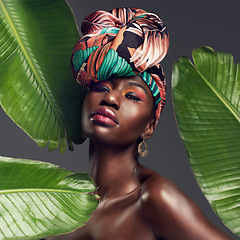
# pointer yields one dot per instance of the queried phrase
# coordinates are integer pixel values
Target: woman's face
(117, 111)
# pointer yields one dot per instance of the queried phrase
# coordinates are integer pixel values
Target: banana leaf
(207, 107)
(37, 88)
(38, 199)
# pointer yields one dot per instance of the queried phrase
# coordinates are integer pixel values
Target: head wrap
(122, 43)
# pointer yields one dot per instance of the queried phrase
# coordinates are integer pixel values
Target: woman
(117, 59)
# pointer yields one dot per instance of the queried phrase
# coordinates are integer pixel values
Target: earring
(145, 152)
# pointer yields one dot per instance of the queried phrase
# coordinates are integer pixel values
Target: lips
(104, 116)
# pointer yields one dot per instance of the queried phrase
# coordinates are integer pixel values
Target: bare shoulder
(158, 192)
(165, 207)
(161, 198)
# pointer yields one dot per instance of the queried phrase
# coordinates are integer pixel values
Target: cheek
(84, 117)
(136, 118)
(86, 112)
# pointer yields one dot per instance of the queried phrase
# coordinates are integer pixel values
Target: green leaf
(207, 107)
(38, 199)
(37, 88)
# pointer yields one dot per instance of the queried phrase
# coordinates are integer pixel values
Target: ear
(148, 132)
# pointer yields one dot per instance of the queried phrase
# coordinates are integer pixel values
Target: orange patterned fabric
(119, 43)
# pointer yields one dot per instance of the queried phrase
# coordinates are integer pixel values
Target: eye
(132, 96)
(99, 87)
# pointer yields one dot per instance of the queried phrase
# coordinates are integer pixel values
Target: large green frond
(38, 199)
(37, 89)
(207, 107)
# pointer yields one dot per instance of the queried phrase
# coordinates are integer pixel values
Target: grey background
(191, 24)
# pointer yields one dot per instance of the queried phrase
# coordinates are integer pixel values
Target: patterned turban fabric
(123, 42)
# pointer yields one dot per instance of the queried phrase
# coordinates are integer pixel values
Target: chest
(118, 220)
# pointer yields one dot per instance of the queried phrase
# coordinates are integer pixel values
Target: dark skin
(135, 202)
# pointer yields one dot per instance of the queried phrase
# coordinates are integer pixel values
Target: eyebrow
(137, 85)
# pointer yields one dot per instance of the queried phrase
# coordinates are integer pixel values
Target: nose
(111, 99)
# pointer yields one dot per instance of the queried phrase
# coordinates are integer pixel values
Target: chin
(97, 132)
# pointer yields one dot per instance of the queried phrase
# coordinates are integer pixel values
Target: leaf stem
(38, 190)
(225, 102)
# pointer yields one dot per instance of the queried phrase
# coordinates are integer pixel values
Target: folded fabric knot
(122, 43)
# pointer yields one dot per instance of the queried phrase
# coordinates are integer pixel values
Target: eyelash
(132, 96)
(99, 88)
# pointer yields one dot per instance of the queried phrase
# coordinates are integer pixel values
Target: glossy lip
(103, 115)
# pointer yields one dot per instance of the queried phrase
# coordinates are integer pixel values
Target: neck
(114, 169)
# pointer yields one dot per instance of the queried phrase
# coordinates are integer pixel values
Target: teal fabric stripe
(80, 57)
(157, 101)
(154, 89)
(110, 30)
(114, 66)
(152, 85)
(140, 16)
(147, 78)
